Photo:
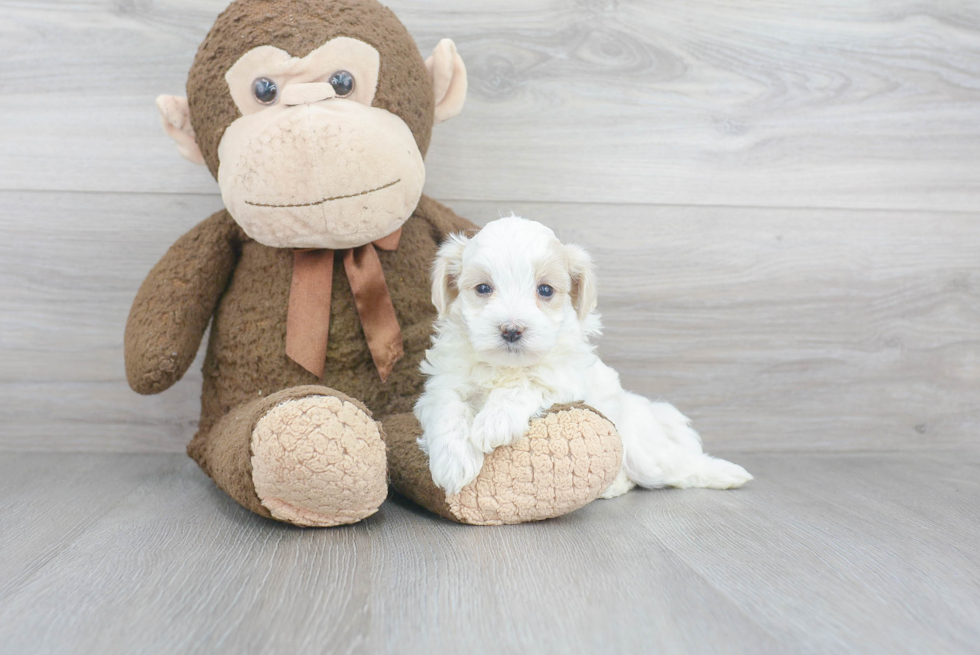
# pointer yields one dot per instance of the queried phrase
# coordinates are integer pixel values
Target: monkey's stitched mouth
(320, 202)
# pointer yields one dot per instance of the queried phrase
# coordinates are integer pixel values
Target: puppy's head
(515, 289)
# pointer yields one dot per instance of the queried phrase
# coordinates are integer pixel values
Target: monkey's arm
(442, 219)
(175, 303)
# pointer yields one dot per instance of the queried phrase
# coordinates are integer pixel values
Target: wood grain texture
(833, 103)
(773, 329)
(843, 553)
(48, 503)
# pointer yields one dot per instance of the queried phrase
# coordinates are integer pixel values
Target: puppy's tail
(661, 449)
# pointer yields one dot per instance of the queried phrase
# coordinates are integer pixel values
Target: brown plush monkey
(314, 117)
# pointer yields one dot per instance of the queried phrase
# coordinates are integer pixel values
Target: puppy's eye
(545, 291)
(265, 91)
(342, 83)
(484, 289)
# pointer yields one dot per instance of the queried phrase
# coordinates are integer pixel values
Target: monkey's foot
(309, 456)
(566, 459)
(319, 461)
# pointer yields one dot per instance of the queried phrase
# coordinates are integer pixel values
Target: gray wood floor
(823, 553)
(782, 199)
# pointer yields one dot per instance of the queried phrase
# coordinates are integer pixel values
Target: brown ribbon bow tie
(308, 321)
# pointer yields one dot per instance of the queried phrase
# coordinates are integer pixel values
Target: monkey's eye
(545, 291)
(342, 83)
(484, 289)
(265, 91)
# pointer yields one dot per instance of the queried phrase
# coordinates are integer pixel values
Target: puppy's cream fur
(515, 279)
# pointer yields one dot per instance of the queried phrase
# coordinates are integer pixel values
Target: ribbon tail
(374, 307)
(308, 320)
(391, 241)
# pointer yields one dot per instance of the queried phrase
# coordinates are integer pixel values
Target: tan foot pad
(564, 463)
(319, 461)
(568, 457)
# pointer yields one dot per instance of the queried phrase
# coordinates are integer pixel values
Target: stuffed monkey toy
(314, 116)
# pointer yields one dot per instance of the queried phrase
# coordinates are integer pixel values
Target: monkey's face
(321, 148)
(310, 163)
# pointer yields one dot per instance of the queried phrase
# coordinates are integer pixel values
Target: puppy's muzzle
(511, 333)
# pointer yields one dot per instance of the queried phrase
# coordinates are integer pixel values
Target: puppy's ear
(585, 294)
(445, 271)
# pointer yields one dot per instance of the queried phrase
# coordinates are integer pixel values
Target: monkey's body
(314, 118)
(248, 285)
(251, 318)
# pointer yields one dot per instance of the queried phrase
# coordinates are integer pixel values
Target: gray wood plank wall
(782, 198)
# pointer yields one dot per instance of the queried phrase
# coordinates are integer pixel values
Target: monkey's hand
(175, 303)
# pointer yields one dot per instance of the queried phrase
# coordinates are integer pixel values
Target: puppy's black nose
(511, 333)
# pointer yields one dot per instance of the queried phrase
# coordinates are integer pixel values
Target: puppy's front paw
(495, 426)
(454, 464)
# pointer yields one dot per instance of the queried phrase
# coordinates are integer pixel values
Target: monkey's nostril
(511, 333)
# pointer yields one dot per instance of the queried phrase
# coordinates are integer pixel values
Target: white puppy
(516, 319)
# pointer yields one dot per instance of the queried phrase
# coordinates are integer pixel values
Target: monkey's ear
(448, 73)
(445, 271)
(176, 118)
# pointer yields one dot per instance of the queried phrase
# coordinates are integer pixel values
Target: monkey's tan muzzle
(314, 173)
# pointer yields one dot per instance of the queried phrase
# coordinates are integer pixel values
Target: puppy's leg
(505, 417)
(660, 448)
(454, 461)
(620, 485)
